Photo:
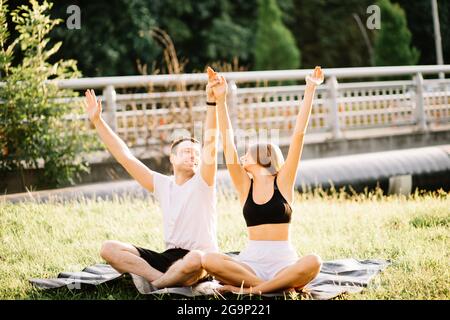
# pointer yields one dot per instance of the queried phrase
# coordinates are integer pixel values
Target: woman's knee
(314, 263)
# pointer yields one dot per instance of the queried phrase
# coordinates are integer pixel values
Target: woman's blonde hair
(268, 156)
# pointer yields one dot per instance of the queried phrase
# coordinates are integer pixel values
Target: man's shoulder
(162, 179)
(201, 181)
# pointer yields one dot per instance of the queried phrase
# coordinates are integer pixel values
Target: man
(187, 200)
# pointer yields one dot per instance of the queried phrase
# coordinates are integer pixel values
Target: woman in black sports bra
(269, 262)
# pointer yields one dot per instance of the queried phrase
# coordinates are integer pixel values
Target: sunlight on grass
(41, 240)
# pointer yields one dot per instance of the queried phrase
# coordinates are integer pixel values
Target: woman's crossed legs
(235, 274)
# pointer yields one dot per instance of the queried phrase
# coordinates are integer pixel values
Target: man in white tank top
(187, 200)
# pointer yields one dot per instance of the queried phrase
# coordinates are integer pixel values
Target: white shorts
(267, 258)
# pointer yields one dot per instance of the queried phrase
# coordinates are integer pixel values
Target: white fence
(257, 101)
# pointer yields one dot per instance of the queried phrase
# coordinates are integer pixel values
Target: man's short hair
(176, 142)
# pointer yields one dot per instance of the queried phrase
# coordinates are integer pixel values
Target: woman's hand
(316, 78)
(93, 106)
(217, 87)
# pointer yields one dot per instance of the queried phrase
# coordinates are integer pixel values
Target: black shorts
(161, 261)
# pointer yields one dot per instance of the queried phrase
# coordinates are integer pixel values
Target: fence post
(109, 112)
(334, 107)
(233, 105)
(420, 106)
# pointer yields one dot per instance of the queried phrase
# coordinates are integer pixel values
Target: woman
(269, 262)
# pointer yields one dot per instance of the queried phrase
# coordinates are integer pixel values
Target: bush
(35, 131)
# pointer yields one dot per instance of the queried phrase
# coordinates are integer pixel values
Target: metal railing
(263, 100)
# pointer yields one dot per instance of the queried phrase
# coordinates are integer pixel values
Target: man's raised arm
(208, 166)
(115, 145)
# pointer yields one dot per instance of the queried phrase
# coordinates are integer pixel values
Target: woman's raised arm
(238, 175)
(288, 172)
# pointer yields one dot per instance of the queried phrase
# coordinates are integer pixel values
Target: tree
(275, 46)
(118, 36)
(227, 40)
(420, 22)
(393, 40)
(113, 39)
(34, 129)
(206, 31)
(202, 32)
(328, 34)
(5, 51)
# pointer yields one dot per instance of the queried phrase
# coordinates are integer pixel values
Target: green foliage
(420, 22)
(202, 31)
(328, 34)
(34, 129)
(227, 40)
(427, 220)
(275, 46)
(116, 33)
(113, 39)
(393, 40)
(5, 51)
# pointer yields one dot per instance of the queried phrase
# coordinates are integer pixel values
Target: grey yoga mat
(335, 278)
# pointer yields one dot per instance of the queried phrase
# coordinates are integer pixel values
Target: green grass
(41, 240)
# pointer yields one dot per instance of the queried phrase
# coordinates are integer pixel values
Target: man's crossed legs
(126, 258)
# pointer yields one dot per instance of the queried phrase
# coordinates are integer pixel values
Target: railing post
(420, 105)
(334, 107)
(109, 112)
(233, 105)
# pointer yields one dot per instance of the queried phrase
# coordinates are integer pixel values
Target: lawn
(41, 240)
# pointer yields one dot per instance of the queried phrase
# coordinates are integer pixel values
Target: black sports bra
(276, 210)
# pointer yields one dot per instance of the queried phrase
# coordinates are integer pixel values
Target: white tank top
(189, 212)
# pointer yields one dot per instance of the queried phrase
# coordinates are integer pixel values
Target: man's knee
(211, 261)
(192, 262)
(110, 249)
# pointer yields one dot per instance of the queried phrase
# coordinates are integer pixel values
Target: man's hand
(93, 106)
(211, 79)
(115, 145)
(208, 167)
(316, 78)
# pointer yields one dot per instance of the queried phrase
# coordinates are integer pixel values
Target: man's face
(186, 156)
